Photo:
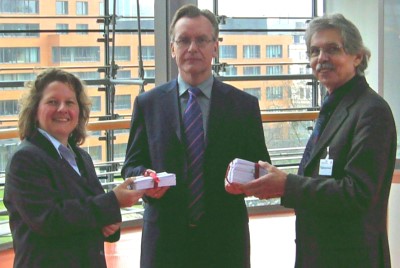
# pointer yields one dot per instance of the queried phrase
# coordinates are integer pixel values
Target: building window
(75, 54)
(274, 69)
(82, 28)
(122, 53)
(120, 151)
(96, 103)
(251, 70)
(19, 55)
(251, 51)
(19, 29)
(123, 102)
(149, 73)
(230, 71)
(8, 107)
(274, 93)
(19, 6)
(255, 91)
(62, 7)
(82, 8)
(63, 27)
(94, 151)
(148, 52)
(227, 52)
(124, 74)
(274, 51)
(87, 75)
(17, 77)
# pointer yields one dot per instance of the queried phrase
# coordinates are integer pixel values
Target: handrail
(266, 117)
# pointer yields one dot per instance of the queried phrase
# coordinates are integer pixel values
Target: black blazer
(155, 142)
(56, 216)
(341, 219)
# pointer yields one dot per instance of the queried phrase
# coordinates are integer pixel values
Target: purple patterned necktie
(194, 133)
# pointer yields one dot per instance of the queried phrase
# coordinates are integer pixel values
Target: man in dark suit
(340, 195)
(231, 122)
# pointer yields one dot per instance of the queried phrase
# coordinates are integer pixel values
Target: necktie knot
(194, 91)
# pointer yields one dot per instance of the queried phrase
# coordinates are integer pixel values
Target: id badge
(326, 165)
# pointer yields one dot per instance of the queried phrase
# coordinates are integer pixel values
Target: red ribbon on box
(256, 170)
(155, 179)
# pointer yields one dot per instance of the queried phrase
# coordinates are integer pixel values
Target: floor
(272, 244)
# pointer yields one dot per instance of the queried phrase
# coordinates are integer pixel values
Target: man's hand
(268, 186)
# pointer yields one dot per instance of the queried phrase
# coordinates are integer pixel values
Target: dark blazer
(341, 219)
(56, 216)
(155, 142)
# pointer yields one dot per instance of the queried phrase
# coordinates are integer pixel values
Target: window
(256, 92)
(6, 150)
(122, 53)
(299, 39)
(148, 52)
(87, 75)
(96, 103)
(251, 51)
(82, 8)
(230, 71)
(19, 6)
(149, 73)
(274, 51)
(83, 28)
(63, 27)
(94, 151)
(274, 93)
(8, 107)
(122, 102)
(62, 7)
(305, 93)
(19, 55)
(251, 70)
(120, 151)
(17, 77)
(124, 74)
(274, 69)
(228, 52)
(19, 29)
(75, 54)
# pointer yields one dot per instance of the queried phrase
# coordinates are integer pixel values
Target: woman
(59, 213)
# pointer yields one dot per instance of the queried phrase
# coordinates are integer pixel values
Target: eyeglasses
(331, 50)
(200, 42)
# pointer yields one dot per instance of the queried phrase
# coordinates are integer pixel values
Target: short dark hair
(192, 11)
(352, 40)
(29, 103)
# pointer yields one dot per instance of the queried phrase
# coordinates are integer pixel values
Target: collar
(53, 141)
(205, 87)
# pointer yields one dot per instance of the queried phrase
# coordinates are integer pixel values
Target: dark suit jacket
(234, 130)
(341, 219)
(56, 215)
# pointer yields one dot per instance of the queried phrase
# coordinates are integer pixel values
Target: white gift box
(161, 179)
(243, 171)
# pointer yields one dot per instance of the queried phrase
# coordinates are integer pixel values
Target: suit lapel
(340, 114)
(42, 142)
(217, 112)
(169, 102)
